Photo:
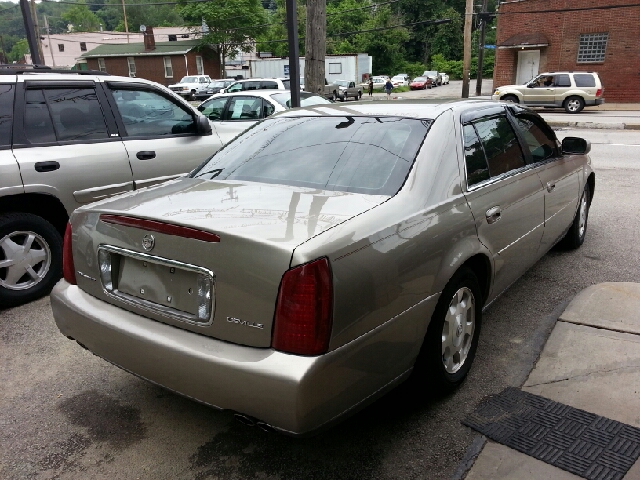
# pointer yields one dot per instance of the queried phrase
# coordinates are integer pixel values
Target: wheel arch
(591, 181)
(480, 265)
(46, 206)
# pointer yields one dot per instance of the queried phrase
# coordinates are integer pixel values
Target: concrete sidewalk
(591, 361)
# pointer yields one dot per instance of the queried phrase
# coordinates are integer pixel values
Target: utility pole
(34, 12)
(483, 26)
(466, 67)
(46, 26)
(31, 33)
(294, 52)
(315, 44)
(126, 25)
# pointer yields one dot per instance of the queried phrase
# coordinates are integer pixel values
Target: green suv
(569, 90)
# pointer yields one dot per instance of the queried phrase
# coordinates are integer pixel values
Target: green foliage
(270, 37)
(20, 48)
(82, 19)
(455, 67)
(448, 38)
(151, 15)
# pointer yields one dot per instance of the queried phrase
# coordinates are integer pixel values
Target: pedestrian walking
(388, 87)
(371, 87)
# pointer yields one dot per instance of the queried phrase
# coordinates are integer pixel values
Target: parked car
(400, 80)
(378, 83)
(436, 77)
(258, 84)
(216, 85)
(192, 86)
(68, 139)
(421, 83)
(445, 78)
(232, 113)
(569, 90)
(322, 256)
(348, 89)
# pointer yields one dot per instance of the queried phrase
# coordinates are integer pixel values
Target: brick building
(601, 36)
(162, 62)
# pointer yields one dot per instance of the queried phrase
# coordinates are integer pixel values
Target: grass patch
(395, 89)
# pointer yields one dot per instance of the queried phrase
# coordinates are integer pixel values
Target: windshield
(189, 80)
(420, 79)
(431, 74)
(342, 83)
(306, 99)
(371, 155)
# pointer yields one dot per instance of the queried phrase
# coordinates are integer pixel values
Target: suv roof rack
(20, 69)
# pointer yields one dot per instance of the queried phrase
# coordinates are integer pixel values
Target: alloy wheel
(582, 225)
(573, 105)
(25, 259)
(458, 330)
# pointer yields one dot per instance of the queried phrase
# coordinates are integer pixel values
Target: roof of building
(124, 49)
(525, 40)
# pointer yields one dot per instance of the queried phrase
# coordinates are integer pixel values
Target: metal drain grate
(579, 442)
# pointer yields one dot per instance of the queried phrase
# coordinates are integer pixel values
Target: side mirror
(575, 146)
(222, 90)
(204, 127)
(200, 108)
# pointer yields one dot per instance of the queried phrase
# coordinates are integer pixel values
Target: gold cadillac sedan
(324, 255)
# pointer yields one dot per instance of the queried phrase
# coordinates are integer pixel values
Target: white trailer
(351, 67)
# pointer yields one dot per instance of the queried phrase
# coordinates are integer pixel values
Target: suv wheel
(30, 258)
(510, 98)
(573, 105)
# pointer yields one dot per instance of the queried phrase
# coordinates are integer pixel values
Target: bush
(455, 67)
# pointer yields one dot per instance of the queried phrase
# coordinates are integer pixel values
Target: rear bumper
(597, 101)
(294, 394)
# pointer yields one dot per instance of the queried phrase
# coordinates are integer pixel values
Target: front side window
(146, 113)
(212, 109)
(6, 113)
(63, 114)
(236, 87)
(244, 108)
(132, 66)
(168, 68)
(500, 144)
(199, 65)
(539, 140)
(592, 47)
(287, 84)
(101, 65)
(371, 155)
(477, 168)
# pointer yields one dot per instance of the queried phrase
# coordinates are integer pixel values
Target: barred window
(593, 47)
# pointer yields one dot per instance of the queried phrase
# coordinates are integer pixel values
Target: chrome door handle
(493, 214)
(550, 187)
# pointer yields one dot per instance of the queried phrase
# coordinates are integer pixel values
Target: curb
(594, 125)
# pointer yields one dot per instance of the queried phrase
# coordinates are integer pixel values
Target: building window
(592, 47)
(83, 46)
(335, 69)
(168, 69)
(61, 47)
(132, 66)
(101, 66)
(199, 65)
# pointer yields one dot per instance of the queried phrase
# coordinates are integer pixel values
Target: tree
(315, 46)
(232, 25)
(19, 50)
(273, 37)
(152, 15)
(82, 19)
(448, 39)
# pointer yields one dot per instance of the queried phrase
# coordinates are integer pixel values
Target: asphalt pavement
(67, 414)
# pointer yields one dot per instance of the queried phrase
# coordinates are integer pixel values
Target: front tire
(510, 98)
(30, 258)
(452, 337)
(574, 238)
(573, 105)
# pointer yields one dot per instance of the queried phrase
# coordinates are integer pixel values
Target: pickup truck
(192, 86)
(348, 89)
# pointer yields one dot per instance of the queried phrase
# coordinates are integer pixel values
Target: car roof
(263, 92)
(408, 109)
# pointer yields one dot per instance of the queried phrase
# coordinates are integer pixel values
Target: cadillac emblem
(148, 242)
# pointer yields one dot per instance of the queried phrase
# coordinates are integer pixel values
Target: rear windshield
(371, 155)
(584, 80)
(189, 80)
(306, 99)
(420, 79)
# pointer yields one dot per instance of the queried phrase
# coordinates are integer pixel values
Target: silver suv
(569, 90)
(68, 139)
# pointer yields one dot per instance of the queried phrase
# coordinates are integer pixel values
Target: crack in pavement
(626, 367)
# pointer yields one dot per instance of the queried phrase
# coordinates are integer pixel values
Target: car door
(562, 85)
(159, 133)
(67, 143)
(505, 196)
(558, 173)
(241, 112)
(540, 92)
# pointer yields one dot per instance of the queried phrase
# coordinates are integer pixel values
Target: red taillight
(160, 227)
(304, 311)
(68, 269)
(599, 92)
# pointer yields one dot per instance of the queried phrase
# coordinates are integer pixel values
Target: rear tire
(510, 98)
(30, 258)
(574, 238)
(452, 337)
(573, 105)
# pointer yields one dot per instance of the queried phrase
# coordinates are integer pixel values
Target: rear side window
(286, 84)
(563, 80)
(584, 80)
(269, 85)
(244, 108)
(76, 114)
(6, 114)
(38, 127)
(350, 154)
(477, 168)
(251, 85)
(500, 145)
(539, 140)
